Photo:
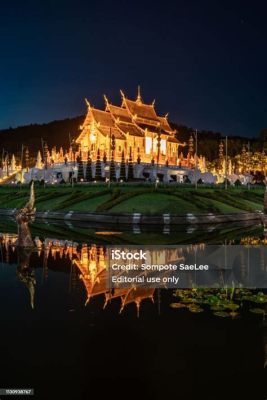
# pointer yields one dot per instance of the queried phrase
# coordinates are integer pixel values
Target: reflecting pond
(66, 335)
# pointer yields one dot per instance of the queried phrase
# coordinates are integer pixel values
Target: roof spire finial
(106, 100)
(87, 102)
(139, 98)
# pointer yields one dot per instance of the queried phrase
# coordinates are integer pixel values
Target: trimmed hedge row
(227, 199)
(73, 199)
(40, 197)
(252, 196)
(191, 197)
(119, 199)
(232, 198)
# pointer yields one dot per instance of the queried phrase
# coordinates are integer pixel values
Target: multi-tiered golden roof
(134, 129)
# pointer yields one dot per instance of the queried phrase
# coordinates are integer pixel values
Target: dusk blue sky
(205, 62)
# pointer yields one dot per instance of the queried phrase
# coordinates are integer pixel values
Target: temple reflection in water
(88, 262)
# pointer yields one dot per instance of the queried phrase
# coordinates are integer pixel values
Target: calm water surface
(67, 337)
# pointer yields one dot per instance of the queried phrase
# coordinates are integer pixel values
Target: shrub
(238, 183)
(130, 167)
(122, 168)
(98, 169)
(88, 172)
(80, 169)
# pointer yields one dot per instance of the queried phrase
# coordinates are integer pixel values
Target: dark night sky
(204, 61)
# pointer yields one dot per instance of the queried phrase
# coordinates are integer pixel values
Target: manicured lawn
(152, 203)
(45, 205)
(90, 205)
(136, 198)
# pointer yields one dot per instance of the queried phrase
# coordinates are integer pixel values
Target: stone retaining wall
(143, 219)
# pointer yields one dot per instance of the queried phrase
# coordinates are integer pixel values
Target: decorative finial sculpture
(139, 98)
(106, 99)
(25, 273)
(23, 217)
(25, 244)
(87, 102)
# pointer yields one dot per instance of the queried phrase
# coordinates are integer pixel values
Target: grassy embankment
(137, 198)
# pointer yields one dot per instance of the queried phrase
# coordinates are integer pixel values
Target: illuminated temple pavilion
(133, 129)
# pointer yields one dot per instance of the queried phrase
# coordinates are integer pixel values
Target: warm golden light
(132, 129)
(92, 137)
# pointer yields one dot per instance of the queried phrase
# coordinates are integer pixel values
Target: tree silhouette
(105, 157)
(122, 169)
(80, 176)
(112, 171)
(88, 172)
(130, 166)
(98, 169)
